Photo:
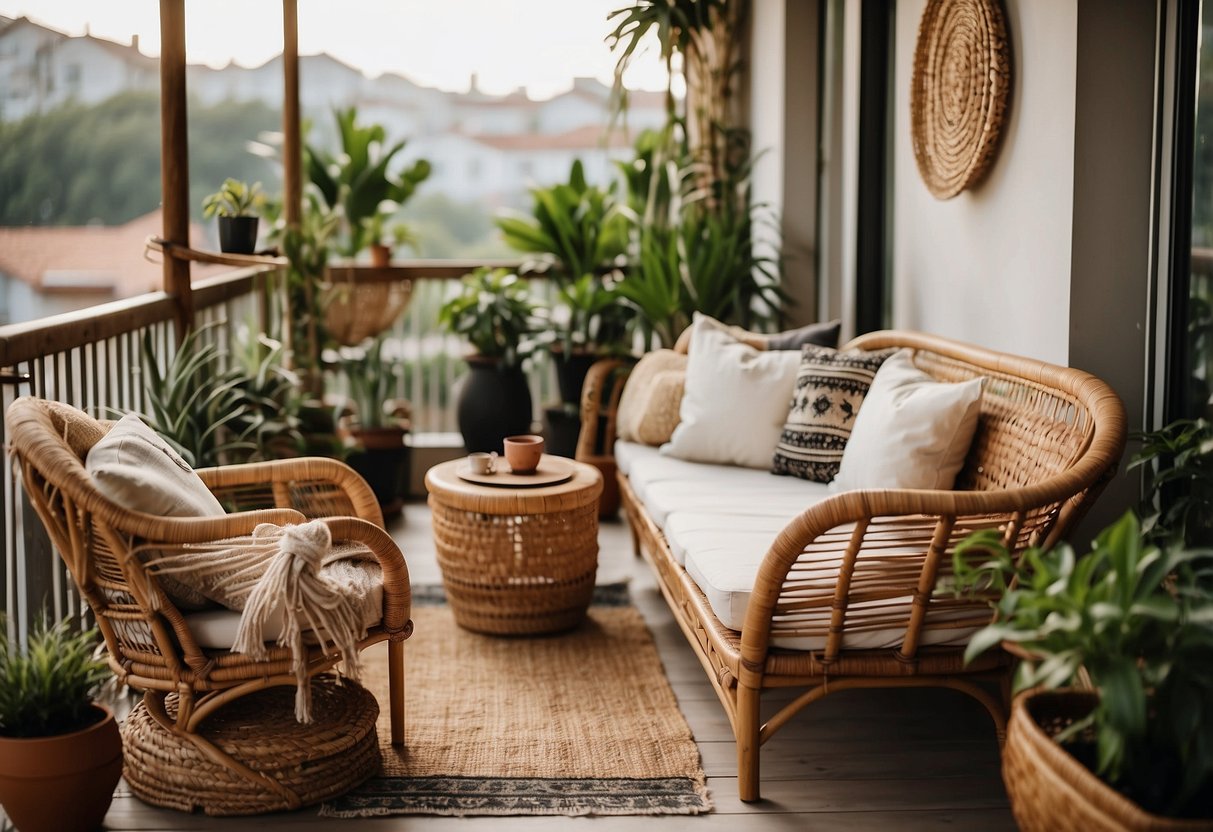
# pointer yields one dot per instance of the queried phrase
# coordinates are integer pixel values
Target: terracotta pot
(381, 256)
(1050, 789)
(63, 783)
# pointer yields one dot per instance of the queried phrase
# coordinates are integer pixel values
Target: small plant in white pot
(60, 752)
(237, 205)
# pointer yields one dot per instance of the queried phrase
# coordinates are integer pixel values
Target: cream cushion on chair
(912, 431)
(736, 400)
(140, 471)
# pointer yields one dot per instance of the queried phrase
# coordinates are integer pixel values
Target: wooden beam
(174, 159)
(292, 142)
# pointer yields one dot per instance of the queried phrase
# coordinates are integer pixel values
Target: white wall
(992, 265)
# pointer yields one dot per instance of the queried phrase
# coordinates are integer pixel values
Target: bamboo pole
(292, 151)
(174, 160)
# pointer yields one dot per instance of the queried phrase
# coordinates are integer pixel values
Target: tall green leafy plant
(47, 689)
(372, 379)
(577, 231)
(196, 404)
(1132, 621)
(359, 182)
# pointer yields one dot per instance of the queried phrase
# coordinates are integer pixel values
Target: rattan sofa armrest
(303, 469)
(600, 406)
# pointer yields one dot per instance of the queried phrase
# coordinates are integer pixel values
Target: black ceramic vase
(494, 403)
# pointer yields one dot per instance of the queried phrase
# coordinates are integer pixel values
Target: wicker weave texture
(1050, 790)
(959, 92)
(354, 312)
(517, 574)
(296, 765)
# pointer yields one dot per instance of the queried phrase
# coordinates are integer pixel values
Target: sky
(537, 44)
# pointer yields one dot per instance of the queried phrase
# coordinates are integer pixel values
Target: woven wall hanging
(961, 86)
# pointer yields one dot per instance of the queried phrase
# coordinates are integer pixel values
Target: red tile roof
(104, 258)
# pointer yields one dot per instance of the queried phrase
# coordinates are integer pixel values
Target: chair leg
(395, 664)
(748, 746)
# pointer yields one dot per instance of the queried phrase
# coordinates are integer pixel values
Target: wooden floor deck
(894, 759)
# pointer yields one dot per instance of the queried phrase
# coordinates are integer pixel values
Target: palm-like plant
(359, 180)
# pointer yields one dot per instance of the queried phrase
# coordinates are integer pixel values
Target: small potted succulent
(60, 752)
(496, 314)
(236, 204)
(1113, 725)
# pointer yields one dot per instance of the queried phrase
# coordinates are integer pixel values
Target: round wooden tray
(552, 470)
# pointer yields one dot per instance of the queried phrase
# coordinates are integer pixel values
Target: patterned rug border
(521, 796)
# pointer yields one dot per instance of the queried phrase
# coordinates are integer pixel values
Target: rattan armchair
(149, 641)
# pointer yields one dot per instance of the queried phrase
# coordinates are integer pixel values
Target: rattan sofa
(863, 564)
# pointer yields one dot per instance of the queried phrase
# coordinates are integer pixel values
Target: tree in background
(78, 165)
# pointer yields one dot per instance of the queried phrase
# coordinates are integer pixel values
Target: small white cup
(482, 463)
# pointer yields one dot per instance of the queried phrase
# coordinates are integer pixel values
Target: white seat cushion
(692, 529)
(732, 492)
(216, 629)
(725, 572)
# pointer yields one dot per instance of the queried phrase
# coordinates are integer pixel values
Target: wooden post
(292, 144)
(174, 159)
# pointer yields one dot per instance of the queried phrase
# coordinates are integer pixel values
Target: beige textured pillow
(634, 401)
(660, 416)
(138, 470)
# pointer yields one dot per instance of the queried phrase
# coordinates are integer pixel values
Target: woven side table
(516, 561)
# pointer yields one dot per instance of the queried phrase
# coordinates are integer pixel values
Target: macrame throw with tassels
(297, 572)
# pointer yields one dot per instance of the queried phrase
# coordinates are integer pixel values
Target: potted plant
(495, 313)
(382, 242)
(236, 205)
(378, 423)
(578, 233)
(1114, 729)
(60, 753)
(359, 180)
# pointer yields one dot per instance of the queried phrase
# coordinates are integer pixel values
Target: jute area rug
(583, 723)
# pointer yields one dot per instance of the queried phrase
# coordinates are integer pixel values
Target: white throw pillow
(912, 431)
(735, 401)
(138, 470)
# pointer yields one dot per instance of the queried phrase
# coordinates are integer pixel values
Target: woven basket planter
(291, 764)
(1051, 790)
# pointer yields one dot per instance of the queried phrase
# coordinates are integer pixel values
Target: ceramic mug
(482, 463)
(523, 452)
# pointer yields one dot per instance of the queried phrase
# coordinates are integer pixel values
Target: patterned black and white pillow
(830, 387)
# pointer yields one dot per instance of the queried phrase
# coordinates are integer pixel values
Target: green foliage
(271, 397)
(1177, 462)
(234, 199)
(47, 689)
(371, 379)
(495, 312)
(81, 164)
(1136, 622)
(358, 180)
(196, 405)
(702, 259)
(578, 231)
